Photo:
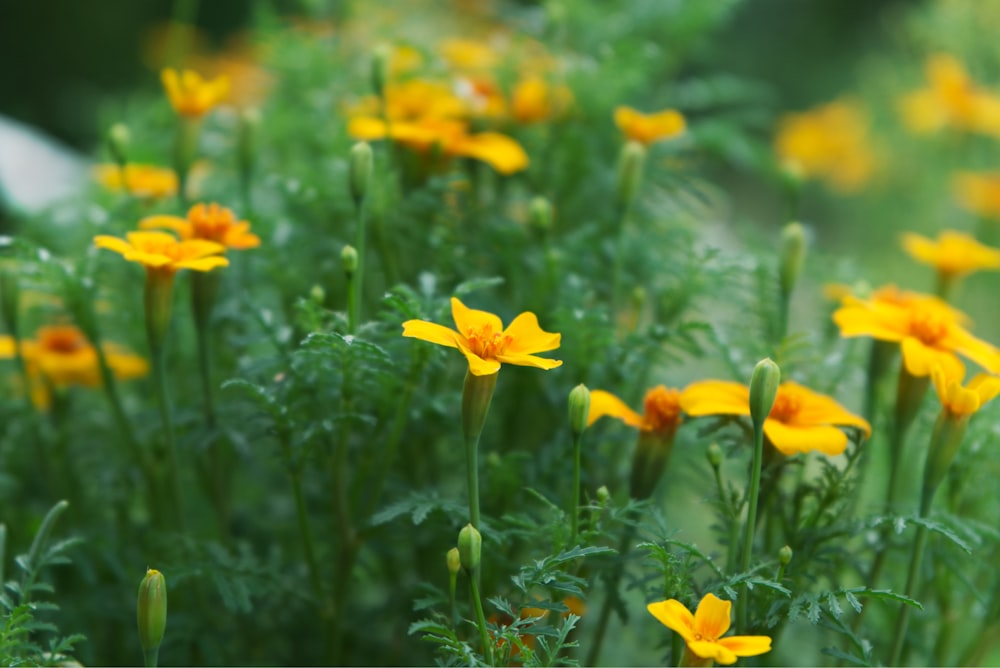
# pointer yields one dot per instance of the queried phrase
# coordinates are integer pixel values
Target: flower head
(952, 254)
(144, 181)
(485, 343)
(800, 420)
(192, 96)
(210, 222)
(978, 193)
(703, 630)
(661, 414)
(534, 100)
(162, 252)
(649, 128)
(960, 401)
(951, 100)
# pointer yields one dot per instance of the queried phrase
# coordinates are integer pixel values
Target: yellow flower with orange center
(662, 409)
(978, 193)
(928, 335)
(485, 342)
(210, 222)
(801, 420)
(535, 100)
(829, 142)
(649, 128)
(163, 253)
(144, 181)
(952, 254)
(951, 100)
(704, 630)
(192, 96)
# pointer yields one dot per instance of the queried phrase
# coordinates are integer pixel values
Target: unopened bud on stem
(361, 171)
(579, 408)
(151, 613)
(763, 389)
(470, 547)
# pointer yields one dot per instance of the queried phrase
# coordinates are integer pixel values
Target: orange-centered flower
(210, 222)
(163, 253)
(800, 420)
(703, 630)
(961, 402)
(953, 254)
(144, 181)
(649, 128)
(928, 334)
(978, 193)
(192, 96)
(662, 409)
(485, 343)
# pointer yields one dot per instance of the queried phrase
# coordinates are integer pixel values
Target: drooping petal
(477, 365)
(747, 645)
(977, 350)
(179, 225)
(366, 128)
(712, 618)
(7, 347)
(715, 397)
(675, 617)
(529, 360)
(793, 439)
(113, 244)
(432, 332)
(202, 263)
(526, 336)
(498, 151)
(604, 403)
(920, 359)
(712, 650)
(880, 322)
(819, 409)
(469, 320)
(987, 386)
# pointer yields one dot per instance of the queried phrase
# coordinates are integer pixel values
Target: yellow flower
(953, 254)
(801, 420)
(662, 409)
(649, 128)
(468, 54)
(162, 253)
(978, 193)
(482, 97)
(485, 343)
(535, 100)
(144, 181)
(416, 99)
(210, 222)
(829, 142)
(928, 334)
(952, 100)
(958, 401)
(192, 96)
(703, 630)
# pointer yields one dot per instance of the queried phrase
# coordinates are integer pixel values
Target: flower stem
(919, 545)
(574, 507)
(612, 594)
(477, 603)
(354, 304)
(758, 456)
(477, 393)
(151, 657)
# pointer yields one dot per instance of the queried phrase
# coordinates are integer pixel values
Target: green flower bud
(714, 455)
(317, 294)
(763, 389)
(470, 547)
(361, 171)
(380, 68)
(793, 256)
(119, 138)
(151, 612)
(541, 214)
(603, 495)
(785, 555)
(949, 430)
(630, 162)
(454, 561)
(349, 259)
(579, 408)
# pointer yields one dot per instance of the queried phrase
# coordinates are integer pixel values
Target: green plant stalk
(602, 621)
(574, 506)
(477, 603)
(903, 620)
(151, 657)
(37, 545)
(743, 603)
(185, 153)
(305, 532)
(731, 516)
(477, 393)
(356, 284)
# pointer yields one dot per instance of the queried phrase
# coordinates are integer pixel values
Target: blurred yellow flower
(958, 401)
(535, 100)
(143, 181)
(829, 142)
(978, 193)
(162, 253)
(801, 420)
(703, 630)
(662, 409)
(192, 96)
(485, 343)
(210, 222)
(951, 100)
(953, 254)
(468, 55)
(482, 97)
(649, 128)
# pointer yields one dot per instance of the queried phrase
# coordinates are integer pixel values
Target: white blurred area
(35, 170)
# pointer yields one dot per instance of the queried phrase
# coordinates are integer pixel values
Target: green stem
(477, 602)
(305, 531)
(354, 305)
(151, 657)
(574, 507)
(166, 419)
(612, 595)
(477, 393)
(919, 545)
(743, 602)
(732, 516)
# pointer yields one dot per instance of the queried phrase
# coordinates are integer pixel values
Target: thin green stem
(477, 603)
(151, 657)
(574, 507)
(477, 393)
(610, 597)
(472, 476)
(919, 545)
(731, 515)
(166, 418)
(357, 287)
(743, 602)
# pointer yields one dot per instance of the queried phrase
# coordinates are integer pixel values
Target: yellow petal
(203, 263)
(987, 386)
(429, 331)
(920, 359)
(712, 618)
(498, 151)
(179, 225)
(746, 645)
(469, 320)
(716, 397)
(604, 403)
(885, 324)
(793, 439)
(477, 365)
(529, 360)
(675, 617)
(528, 337)
(7, 347)
(819, 409)
(712, 650)
(113, 244)
(366, 128)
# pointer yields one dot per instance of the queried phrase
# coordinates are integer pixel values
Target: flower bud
(714, 455)
(579, 408)
(949, 430)
(119, 138)
(151, 611)
(603, 495)
(454, 561)
(470, 547)
(793, 256)
(380, 68)
(361, 171)
(763, 389)
(541, 214)
(630, 162)
(349, 259)
(317, 294)
(785, 556)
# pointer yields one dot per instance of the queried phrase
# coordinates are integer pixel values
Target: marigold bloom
(192, 96)
(928, 334)
(828, 142)
(800, 420)
(144, 181)
(952, 99)
(703, 630)
(485, 343)
(482, 96)
(978, 193)
(960, 401)
(162, 252)
(649, 128)
(207, 221)
(535, 100)
(661, 409)
(953, 254)
(468, 54)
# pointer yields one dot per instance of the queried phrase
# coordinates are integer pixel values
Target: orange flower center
(786, 406)
(211, 222)
(929, 328)
(486, 343)
(662, 409)
(61, 340)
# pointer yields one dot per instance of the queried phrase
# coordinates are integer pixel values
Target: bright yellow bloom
(703, 630)
(978, 193)
(928, 334)
(210, 222)
(535, 100)
(953, 254)
(800, 420)
(485, 343)
(649, 128)
(468, 54)
(662, 409)
(958, 401)
(144, 181)
(952, 100)
(829, 142)
(163, 253)
(416, 99)
(192, 96)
